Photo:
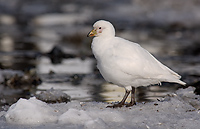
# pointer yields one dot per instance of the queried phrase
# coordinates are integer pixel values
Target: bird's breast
(102, 48)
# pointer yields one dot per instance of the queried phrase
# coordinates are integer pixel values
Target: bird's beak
(92, 33)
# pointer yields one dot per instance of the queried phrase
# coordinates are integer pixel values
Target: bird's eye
(99, 27)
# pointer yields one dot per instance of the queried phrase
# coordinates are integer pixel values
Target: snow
(170, 112)
(74, 116)
(30, 111)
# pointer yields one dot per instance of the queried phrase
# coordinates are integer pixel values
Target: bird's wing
(132, 59)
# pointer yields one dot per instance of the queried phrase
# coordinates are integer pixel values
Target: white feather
(126, 63)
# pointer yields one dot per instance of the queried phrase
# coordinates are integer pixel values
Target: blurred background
(43, 45)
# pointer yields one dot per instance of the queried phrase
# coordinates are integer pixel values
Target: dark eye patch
(99, 27)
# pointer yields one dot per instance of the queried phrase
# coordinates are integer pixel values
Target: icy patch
(189, 97)
(96, 124)
(30, 111)
(174, 112)
(108, 115)
(74, 116)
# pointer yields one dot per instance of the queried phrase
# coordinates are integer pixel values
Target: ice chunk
(31, 112)
(188, 96)
(108, 115)
(96, 124)
(74, 116)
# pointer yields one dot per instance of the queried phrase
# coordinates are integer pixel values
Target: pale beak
(92, 33)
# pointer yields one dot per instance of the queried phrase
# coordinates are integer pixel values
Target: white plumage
(126, 63)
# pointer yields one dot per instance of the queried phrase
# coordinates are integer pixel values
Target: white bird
(126, 63)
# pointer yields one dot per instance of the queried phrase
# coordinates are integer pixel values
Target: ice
(107, 115)
(189, 97)
(173, 112)
(74, 116)
(96, 124)
(30, 111)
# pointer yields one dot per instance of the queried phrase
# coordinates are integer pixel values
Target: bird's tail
(180, 82)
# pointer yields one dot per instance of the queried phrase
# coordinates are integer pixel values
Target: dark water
(59, 51)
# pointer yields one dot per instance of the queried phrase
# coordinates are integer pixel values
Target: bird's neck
(102, 42)
(100, 45)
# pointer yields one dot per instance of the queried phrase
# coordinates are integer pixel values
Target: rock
(53, 96)
(25, 82)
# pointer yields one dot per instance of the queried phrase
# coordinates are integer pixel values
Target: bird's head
(102, 28)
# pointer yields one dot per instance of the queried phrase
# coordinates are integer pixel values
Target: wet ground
(45, 45)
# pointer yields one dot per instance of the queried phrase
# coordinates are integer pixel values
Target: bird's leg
(133, 102)
(120, 104)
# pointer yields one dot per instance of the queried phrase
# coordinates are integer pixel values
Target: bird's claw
(130, 104)
(119, 105)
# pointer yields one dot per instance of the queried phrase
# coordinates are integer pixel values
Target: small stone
(53, 96)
